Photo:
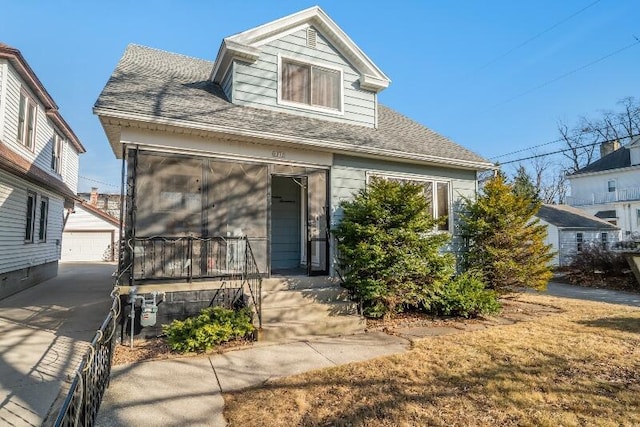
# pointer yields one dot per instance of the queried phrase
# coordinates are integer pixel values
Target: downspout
(120, 231)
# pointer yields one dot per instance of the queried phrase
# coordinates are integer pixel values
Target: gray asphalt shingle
(162, 84)
(565, 216)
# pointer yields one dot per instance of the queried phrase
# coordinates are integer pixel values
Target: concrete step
(307, 312)
(297, 282)
(293, 330)
(325, 295)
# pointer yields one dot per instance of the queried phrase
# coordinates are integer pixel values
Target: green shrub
(389, 254)
(213, 326)
(466, 296)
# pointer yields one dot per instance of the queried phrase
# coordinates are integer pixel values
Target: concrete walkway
(44, 332)
(188, 391)
(593, 294)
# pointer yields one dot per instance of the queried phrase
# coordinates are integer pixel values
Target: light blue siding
(227, 83)
(256, 84)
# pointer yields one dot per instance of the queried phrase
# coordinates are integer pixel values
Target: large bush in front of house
(390, 256)
(213, 326)
(598, 266)
(506, 242)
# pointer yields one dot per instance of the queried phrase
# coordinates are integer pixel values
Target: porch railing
(620, 195)
(189, 258)
(91, 378)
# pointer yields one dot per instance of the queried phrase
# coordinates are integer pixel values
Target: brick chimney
(93, 199)
(609, 147)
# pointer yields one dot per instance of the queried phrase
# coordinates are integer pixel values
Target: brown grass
(580, 367)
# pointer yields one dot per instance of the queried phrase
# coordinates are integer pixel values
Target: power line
(532, 38)
(98, 182)
(555, 141)
(563, 150)
(567, 74)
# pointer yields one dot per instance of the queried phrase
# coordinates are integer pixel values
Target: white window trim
(615, 185)
(28, 100)
(422, 178)
(43, 229)
(56, 135)
(33, 216)
(306, 107)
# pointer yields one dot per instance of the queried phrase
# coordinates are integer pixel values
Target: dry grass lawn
(580, 367)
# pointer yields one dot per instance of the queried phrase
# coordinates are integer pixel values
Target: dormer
(301, 64)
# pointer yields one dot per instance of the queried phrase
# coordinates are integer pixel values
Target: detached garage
(89, 234)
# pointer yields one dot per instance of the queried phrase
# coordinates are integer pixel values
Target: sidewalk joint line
(316, 350)
(215, 374)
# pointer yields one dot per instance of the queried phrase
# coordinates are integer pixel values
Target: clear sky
(475, 70)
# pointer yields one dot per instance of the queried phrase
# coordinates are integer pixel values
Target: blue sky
(446, 59)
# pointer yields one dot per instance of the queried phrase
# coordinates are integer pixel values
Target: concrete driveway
(44, 331)
(593, 294)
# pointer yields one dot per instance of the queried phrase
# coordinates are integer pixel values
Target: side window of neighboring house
(311, 85)
(30, 217)
(638, 218)
(437, 195)
(579, 242)
(44, 216)
(611, 185)
(27, 121)
(56, 152)
(604, 239)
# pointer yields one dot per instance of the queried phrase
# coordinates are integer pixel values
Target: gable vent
(312, 37)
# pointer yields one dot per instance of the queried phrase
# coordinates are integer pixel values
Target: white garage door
(86, 246)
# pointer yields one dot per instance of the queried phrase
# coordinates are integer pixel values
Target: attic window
(312, 37)
(310, 85)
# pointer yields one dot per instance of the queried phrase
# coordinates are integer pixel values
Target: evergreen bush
(506, 242)
(213, 326)
(466, 296)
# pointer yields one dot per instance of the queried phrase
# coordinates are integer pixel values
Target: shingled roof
(151, 83)
(564, 216)
(621, 158)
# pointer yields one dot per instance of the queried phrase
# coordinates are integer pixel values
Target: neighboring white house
(264, 142)
(89, 234)
(38, 175)
(610, 187)
(570, 230)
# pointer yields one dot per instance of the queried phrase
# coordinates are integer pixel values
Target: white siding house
(89, 234)
(38, 175)
(571, 230)
(610, 187)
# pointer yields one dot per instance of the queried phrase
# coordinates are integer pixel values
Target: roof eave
(105, 114)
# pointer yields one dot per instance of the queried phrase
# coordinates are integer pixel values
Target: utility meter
(148, 315)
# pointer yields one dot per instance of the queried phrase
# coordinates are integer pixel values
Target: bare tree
(580, 144)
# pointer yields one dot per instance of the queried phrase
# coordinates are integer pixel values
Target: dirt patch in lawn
(577, 367)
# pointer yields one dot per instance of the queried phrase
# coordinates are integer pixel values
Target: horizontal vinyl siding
(349, 174)
(82, 219)
(41, 156)
(256, 84)
(14, 252)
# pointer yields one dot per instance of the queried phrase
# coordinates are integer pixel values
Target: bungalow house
(570, 230)
(257, 149)
(38, 175)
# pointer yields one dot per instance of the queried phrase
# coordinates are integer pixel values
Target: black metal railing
(189, 258)
(91, 378)
(161, 258)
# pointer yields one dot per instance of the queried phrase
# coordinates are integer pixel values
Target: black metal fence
(81, 404)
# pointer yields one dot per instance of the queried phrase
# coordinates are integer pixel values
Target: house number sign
(278, 154)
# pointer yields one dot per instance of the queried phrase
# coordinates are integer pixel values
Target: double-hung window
(44, 217)
(579, 242)
(311, 85)
(604, 240)
(30, 217)
(27, 121)
(56, 152)
(437, 195)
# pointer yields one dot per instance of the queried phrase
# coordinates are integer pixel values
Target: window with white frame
(611, 185)
(579, 242)
(56, 152)
(437, 195)
(27, 121)
(638, 218)
(604, 240)
(30, 217)
(44, 218)
(310, 85)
